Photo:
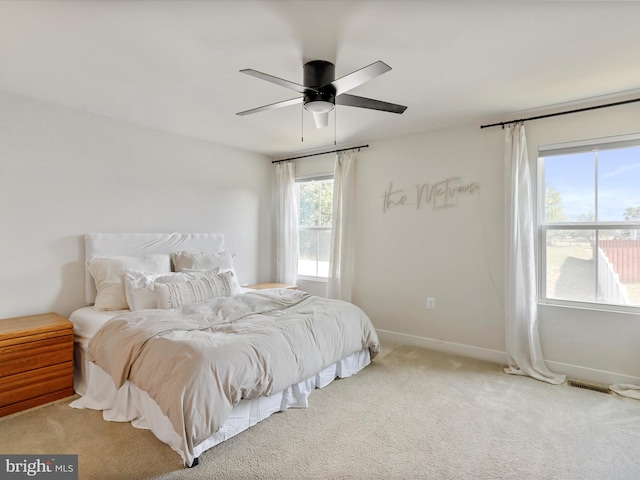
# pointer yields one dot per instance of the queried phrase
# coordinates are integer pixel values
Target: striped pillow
(209, 285)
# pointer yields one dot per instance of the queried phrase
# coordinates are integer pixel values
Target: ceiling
(174, 65)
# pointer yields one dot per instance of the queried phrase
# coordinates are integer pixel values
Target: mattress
(131, 404)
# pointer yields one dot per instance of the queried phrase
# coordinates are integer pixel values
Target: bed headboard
(141, 244)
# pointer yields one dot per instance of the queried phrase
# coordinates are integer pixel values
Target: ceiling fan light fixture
(318, 106)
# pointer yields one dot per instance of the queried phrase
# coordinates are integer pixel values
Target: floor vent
(588, 386)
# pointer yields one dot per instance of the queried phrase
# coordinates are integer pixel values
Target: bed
(171, 342)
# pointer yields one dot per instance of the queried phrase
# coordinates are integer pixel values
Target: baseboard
(574, 372)
(478, 353)
(601, 377)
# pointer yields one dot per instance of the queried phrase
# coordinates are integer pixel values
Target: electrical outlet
(431, 303)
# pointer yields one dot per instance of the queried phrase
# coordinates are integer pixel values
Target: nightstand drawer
(30, 355)
(34, 384)
(36, 361)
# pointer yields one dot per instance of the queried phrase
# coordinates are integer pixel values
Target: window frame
(543, 227)
(303, 179)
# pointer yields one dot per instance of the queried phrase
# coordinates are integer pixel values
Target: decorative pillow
(177, 277)
(139, 286)
(192, 260)
(108, 273)
(138, 289)
(209, 285)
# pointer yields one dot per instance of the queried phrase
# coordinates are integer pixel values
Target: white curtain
(286, 224)
(341, 259)
(627, 390)
(521, 312)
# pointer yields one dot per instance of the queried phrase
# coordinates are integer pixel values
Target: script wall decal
(442, 194)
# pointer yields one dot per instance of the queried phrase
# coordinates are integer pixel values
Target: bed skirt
(131, 404)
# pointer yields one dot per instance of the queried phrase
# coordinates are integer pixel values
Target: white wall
(455, 254)
(64, 173)
(452, 253)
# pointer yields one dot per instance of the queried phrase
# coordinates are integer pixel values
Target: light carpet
(412, 414)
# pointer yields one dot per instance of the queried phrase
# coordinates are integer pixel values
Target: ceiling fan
(321, 91)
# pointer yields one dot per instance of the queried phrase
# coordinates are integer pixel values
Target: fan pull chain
(302, 123)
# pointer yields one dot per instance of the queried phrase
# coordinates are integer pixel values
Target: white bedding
(87, 321)
(131, 404)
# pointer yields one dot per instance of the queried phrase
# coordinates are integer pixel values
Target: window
(589, 223)
(315, 210)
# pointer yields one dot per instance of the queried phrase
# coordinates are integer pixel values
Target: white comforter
(198, 361)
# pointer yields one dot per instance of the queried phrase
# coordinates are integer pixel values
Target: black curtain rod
(502, 124)
(321, 153)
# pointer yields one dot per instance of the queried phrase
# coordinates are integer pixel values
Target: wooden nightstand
(262, 286)
(36, 361)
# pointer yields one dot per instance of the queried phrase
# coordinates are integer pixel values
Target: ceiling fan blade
(321, 119)
(278, 81)
(363, 102)
(353, 79)
(284, 103)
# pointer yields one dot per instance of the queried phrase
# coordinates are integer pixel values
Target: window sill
(593, 307)
(313, 279)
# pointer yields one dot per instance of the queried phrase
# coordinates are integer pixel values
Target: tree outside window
(315, 207)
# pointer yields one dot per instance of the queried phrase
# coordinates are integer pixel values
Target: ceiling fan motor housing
(319, 73)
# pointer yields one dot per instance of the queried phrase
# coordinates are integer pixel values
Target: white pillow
(192, 260)
(209, 285)
(139, 287)
(108, 273)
